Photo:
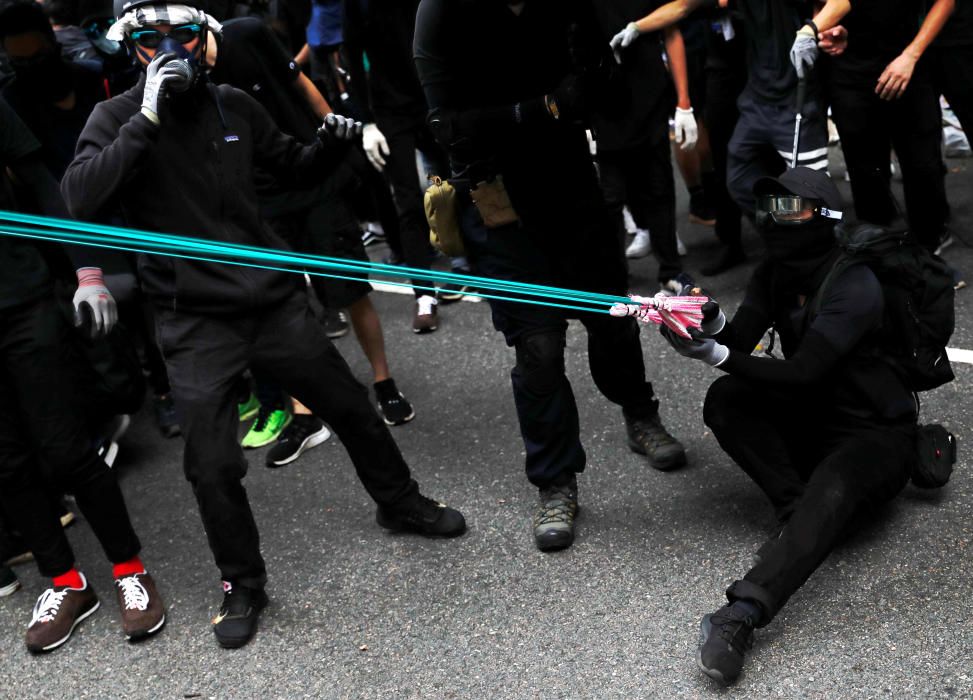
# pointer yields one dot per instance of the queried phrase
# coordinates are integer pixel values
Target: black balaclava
(802, 253)
(48, 78)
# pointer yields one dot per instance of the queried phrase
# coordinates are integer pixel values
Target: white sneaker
(681, 247)
(630, 227)
(640, 246)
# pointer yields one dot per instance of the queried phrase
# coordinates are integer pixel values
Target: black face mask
(47, 78)
(802, 254)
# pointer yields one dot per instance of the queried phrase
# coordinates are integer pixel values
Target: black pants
(43, 441)
(819, 476)
(642, 178)
(951, 70)
(870, 127)
(205, 356)
(403, 177)
(545, 402)
(723, 88)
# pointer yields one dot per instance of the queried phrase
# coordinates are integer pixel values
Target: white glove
(157, 74)
(624, 39)
(687, 133)
(94, 295)
(338, 128)
(705, 350)
(375, 145)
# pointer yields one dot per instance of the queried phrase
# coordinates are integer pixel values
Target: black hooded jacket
(193, 176)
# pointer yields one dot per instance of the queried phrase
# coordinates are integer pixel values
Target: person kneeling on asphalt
(838, 434)
(177, 154)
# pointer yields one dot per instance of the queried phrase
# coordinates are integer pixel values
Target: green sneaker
(269, 424)
(249, 408)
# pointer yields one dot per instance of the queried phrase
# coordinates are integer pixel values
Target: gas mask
(172, 43)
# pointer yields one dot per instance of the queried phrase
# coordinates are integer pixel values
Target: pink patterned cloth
(678, 313)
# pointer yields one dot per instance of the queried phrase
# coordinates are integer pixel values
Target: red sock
(71, 578)
(127, 568)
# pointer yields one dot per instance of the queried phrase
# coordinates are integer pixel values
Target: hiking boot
(236, 622)
(9, 583)
(647, 436)
(427, 317)
(335, 323)
(726, 260)
(143, 613)
(304, 433)
(554, 519)
(248, 408)
(724, 639)
(422, 516)
(165, 416)
(394, 408)
(268, 426)
(640, 246)
(57, 612)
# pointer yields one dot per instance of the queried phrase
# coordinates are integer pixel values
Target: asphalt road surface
(359, 613)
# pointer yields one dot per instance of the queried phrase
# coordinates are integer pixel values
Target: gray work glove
(161, 71)
(93, 296)
(706, 350)
(339, 128)
(804, 52)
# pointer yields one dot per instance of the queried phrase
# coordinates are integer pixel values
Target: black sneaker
(335, 324)
(394, 408)
(647, 436)
(8, 582)
(724, 639)
(303, 433)
(236, 622)
(423, 516)
(554, 519)
(165, 416)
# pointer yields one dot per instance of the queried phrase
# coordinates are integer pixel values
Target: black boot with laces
(647, 436)
(724, 639)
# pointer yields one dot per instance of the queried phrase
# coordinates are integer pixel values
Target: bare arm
(313, 96)
(831, 14)
(676, 50)
(303, 56)
(897, 75)
(667, 15)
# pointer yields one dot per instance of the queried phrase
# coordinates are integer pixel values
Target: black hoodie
(193, 176)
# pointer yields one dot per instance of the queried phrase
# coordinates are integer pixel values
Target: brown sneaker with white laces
(427, 317)
(57, 612)
(143, 613)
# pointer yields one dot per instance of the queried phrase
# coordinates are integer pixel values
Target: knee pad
(540, 360)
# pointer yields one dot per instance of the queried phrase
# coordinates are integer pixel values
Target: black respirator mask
(172, 43)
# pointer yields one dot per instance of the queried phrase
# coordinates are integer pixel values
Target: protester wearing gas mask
(837, 433)
(512, 116)
(176, 154)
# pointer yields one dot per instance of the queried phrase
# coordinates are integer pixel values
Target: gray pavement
(358, 613)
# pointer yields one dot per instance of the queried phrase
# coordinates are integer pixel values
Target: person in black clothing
(176, 154)
(315, 217)
(949, 63)
(883, 98)
(726, 76)
(390, 101)
(634, 155)
(845, 443)
(43, 440)
(507, 85)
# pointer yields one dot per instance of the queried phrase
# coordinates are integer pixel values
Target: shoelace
(733, 630)
(426, 305)
(134, 593)
(263, 417)
(47, 606)
(558, 509)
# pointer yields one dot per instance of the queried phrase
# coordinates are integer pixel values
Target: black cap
(803, 182)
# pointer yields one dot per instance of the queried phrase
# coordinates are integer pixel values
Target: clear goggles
(791, 210)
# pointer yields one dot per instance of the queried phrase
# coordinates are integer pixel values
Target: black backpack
(918, 290)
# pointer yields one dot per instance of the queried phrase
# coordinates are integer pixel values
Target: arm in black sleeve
(852, 308)
(753, 318)
(106, 155)
(354, 50)
(290, 161)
